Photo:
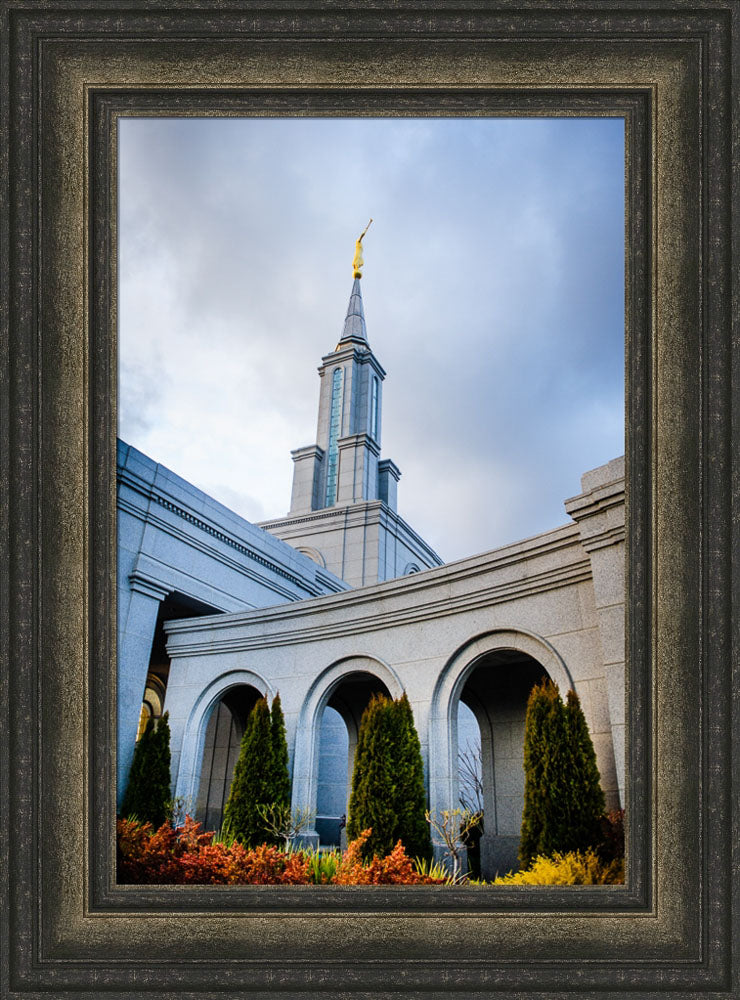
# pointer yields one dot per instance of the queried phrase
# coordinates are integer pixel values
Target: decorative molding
(214, 553)
(151, 493)
(358, 513)
(602, 539)
(366, 619)
(362, 439)
(308, 451)
(387, 465)
(360, 355)
(147, 585)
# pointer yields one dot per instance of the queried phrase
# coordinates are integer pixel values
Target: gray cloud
(493, 292)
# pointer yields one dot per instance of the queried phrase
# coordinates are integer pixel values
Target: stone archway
(346, 686)
(187, 783)
(222, 743)
(492, 674)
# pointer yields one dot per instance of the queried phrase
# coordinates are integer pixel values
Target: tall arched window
(334, 421)
(374, 408)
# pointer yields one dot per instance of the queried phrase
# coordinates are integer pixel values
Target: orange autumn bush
(395, 868)
(187, 855)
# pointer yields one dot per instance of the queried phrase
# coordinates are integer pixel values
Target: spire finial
(358, 261)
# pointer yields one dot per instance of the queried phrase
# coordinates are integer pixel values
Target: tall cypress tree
(147, 794)
(563, 800)
(251, 784)
(280, 777)
(371, 801)
(388, 781)
(588, 797)
(536, 794)
(411, 799)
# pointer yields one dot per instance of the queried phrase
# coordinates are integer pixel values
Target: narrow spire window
(374, 411)
(334, 420)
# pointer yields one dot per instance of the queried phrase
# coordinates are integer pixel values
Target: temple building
(340, 599)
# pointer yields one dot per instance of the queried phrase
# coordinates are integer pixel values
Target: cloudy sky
(493, 292)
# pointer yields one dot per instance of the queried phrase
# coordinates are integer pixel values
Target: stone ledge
(183, 634)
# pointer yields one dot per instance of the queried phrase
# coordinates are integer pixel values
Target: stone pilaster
(388, 476)
(308, 464)
(599, 514)
(358, 469)
(134, 650)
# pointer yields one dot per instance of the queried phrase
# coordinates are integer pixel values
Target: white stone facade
(215, 612)
(480, 630)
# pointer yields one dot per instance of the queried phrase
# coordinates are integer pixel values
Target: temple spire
(354, 330)
(354, 322)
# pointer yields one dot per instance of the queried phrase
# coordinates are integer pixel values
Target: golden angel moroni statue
(358, 261)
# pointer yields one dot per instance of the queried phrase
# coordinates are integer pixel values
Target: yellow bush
(573, 868)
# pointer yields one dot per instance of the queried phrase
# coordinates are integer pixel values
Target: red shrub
(146, 857)
(267, 865)
(210, 864)
(187, 855)
(394, 869)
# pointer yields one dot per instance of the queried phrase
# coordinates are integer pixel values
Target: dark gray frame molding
(69, 70)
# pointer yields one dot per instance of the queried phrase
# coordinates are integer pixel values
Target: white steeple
(343, 511)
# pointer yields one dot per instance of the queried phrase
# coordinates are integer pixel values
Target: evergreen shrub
(147, 795)
(563, 800)
(251, 786)
(261, 780)
(280, 777)
(388, 795)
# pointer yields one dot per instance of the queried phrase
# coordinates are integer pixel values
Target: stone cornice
(296, 623)
(218, 556)
(599, 514)
(602, 539)
(596, 499)
(388, 465)
(348, 515)
(362, 439)
(362, 356)
(144, 584)
(430, 593)
(402, 527)
(308, 451)
(339, 513)
(152, 494)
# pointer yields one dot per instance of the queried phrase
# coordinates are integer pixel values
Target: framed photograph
(227, 272)
(77, 80)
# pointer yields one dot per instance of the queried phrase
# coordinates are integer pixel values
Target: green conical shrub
(411, 799)
(373, 780)
(147, 794)
(542, 711)
(251, 786)
(388, 781)
(280, 777)
(588, 797)
(563, 801)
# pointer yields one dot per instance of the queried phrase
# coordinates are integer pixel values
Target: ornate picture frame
(69, 71)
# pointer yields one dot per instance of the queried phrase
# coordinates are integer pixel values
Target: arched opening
(223, 736)
(339, 726)
(151, 706)
(470, 777)
(495, 692)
